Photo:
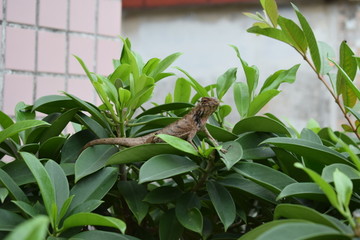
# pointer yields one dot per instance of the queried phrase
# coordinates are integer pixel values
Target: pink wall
(38, 39)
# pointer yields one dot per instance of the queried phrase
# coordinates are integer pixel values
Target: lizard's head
(209, 105)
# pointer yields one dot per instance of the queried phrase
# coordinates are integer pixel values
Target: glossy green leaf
(134, 194)
(97, 234)
(5, 122)
(179, 144)
(165, 166)
(261, 100)
(326, 53)
(9, 220)
(304, 230)
(294, 34)
(74, 144)
(141, 153)
(286, 161)
(164, 64)
(292, 211)
(182, 90)
(53, 103)
(33, 229)
(326, 187)
(169, 227)
(309, 135)
(309, 149)
(343, 187)
(3, 194)
(93, 187)
(18, 127)
(51, 147)
(223, 203)
(249, 188)
(271, 10)
(15, 191)
(82, 219)
(87, 206)
(224, 110)
(260, 124)
(241, 98)
(279, 77)
(224, 82)
(30, 210)
(233, 153)
(250, 143)
(188, 213)
(60, 182)
(310, 37)
(270, 32)
(44, 182)
(92, 159)
(265, 176)
(304, 190)
(328, 171)
(122, 73)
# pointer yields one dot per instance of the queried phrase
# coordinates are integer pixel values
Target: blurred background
(39, 37)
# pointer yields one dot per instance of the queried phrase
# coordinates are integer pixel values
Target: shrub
(272, 182)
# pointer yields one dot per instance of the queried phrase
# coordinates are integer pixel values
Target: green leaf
(9, 220)
(93, 187)
(271, 10)
(292, 211)
(44, 182)
(294, 34)
(328, 172)
(270, 32)
(32, 211)
(88, 74)
(248, 188)
(233, 153)
(326, 187)
(261, 100)
(224, 82)
(53, 103)
(304, 190)
(162, 195)
(3, 194)
(315, 151)
(224, 110)
(121, 73)
(15, 191)
(164, 64)
(260, 124)
(198, 88)
(265, 176)
(343, 187)
(60, 182)
(166, 107)
(310, 37)
(97, 234)
(74, 144)
(134, 194)
(251, 73)
(301, 230)
(5, 122)
(188, 213)
(279, 77)
(20, 126)
(182, 90)
(223, 203)
(169, 227)
(51, 148)
(92, 159)
(241, 98)
(286, 161)
(179, 144)
(33, 229)
(165, 166)
(82, 219)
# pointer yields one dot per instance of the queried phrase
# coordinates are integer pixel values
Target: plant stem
(336, 98)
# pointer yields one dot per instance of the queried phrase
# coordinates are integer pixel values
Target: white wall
(203, 35)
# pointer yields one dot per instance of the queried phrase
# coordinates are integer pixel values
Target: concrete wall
(203, 35)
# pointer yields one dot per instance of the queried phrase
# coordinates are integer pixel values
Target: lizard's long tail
(126, 142)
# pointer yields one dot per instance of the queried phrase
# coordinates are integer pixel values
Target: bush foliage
(273, 182)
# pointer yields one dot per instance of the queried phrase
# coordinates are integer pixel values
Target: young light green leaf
(178, 143)
(82, 219)
(33, 229)
(326, 187)
(271, 10)
(182, 90)
(198, 88)
(271, 33)
(20, 126)
(310, 37)
(165, 166)
(164, 64)
(224, 110)
(343, 187)
(294, 34)
(261, 100)
(225, 81)
(241, 98)
(223, 203)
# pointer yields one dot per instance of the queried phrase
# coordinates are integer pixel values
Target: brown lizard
(185, 128)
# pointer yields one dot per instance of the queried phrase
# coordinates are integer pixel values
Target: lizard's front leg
(212, 139)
